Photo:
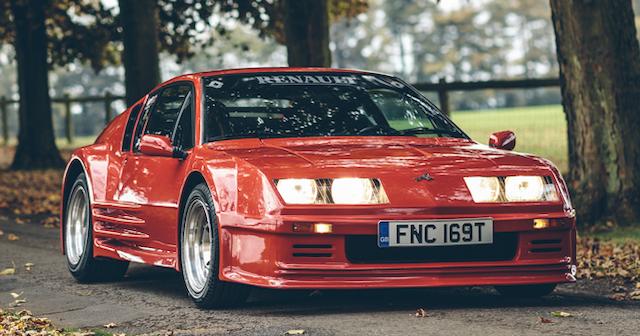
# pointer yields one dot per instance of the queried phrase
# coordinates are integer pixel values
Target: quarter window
(128, 131)
(143, 120)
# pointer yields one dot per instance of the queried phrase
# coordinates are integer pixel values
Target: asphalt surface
(153, 301)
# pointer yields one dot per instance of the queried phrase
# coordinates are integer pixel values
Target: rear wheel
(78, 239)
(199, 254)
(526, 291)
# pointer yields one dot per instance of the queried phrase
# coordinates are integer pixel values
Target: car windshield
(277, 105)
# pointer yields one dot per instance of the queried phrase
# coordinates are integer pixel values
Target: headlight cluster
(511, 189)
(332, 191)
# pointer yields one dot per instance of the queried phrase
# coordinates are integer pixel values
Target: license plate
(466, 231)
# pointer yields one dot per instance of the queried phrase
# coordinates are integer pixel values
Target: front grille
(364, 249)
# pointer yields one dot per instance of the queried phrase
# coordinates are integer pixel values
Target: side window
(128, 131)
(143, 120)
(165, 115)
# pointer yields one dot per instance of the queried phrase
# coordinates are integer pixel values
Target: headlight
(523, 188)
(483, 189)
(353, 191)
(298, 191)
(511, 189)
(326, 191)
(529, 189)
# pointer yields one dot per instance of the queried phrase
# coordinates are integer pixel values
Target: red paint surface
(136, 199)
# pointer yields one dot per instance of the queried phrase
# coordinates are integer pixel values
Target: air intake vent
(312, 250)
(546, 245)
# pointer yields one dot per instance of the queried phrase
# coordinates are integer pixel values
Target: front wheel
(78, 239)
(526, 291)
(199, 254)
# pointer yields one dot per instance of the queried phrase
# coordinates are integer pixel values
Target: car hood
(438, 155)
(396, 161)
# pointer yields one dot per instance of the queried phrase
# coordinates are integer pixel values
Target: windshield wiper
(424, 130)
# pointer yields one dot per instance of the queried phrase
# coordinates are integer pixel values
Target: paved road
(153, 301)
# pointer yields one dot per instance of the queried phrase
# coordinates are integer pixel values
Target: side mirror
(503, 140)
(159, 145)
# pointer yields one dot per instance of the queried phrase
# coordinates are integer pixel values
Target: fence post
(443, 96)
(107, 107)
(68, 129)
(5, 127)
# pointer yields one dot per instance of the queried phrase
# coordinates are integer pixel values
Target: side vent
(312, 250)
(546, 245)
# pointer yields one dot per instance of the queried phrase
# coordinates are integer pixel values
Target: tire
(78, 240)
(199, 254)
(526, 291)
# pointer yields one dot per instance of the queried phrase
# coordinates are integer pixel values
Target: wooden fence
(443, 88)
(67, 101)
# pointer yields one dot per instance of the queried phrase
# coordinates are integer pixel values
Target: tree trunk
(36, 140)
(599, 61)
(139, 21)
(306, 27)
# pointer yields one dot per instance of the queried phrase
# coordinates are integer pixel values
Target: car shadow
(169, 284)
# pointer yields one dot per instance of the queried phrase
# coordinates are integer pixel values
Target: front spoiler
(290, 276)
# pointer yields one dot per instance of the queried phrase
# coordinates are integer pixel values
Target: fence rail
(67, 101)
(442, 88)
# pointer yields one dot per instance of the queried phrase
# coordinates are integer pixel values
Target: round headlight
(524, 188)
(483, 189)
(352, 191)
(298, 191)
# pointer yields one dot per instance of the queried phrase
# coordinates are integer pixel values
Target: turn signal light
(322, 228)
(545, 223)
(540, 223)
(313, 228)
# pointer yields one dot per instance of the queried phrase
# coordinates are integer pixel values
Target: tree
(139, 20)
(36, 141)
(306, 27)
(599, 61)
(42, 31)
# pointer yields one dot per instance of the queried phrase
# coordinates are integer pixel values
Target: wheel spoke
(76, 225)
(197, 245)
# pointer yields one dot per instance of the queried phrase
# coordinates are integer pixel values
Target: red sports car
(311, 178)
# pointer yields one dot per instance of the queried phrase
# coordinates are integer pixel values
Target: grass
(619, 234)
(540, 130)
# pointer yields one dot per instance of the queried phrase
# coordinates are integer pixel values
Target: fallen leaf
(8, 271)
(295, 332)
(635, 295)
(619, 289)
(12, 237)
(110, 325)
(17, 303)
(545, 320)
(15, 295)
(421, 313)
(561, 314)
(618, 297)
(28, 266)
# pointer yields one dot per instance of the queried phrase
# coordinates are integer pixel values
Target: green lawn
(540, 130)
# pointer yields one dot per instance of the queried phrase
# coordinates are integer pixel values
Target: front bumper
(283, 259)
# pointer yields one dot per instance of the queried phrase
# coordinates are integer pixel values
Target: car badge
(424, 177)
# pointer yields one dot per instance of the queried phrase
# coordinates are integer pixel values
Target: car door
(152, 183)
